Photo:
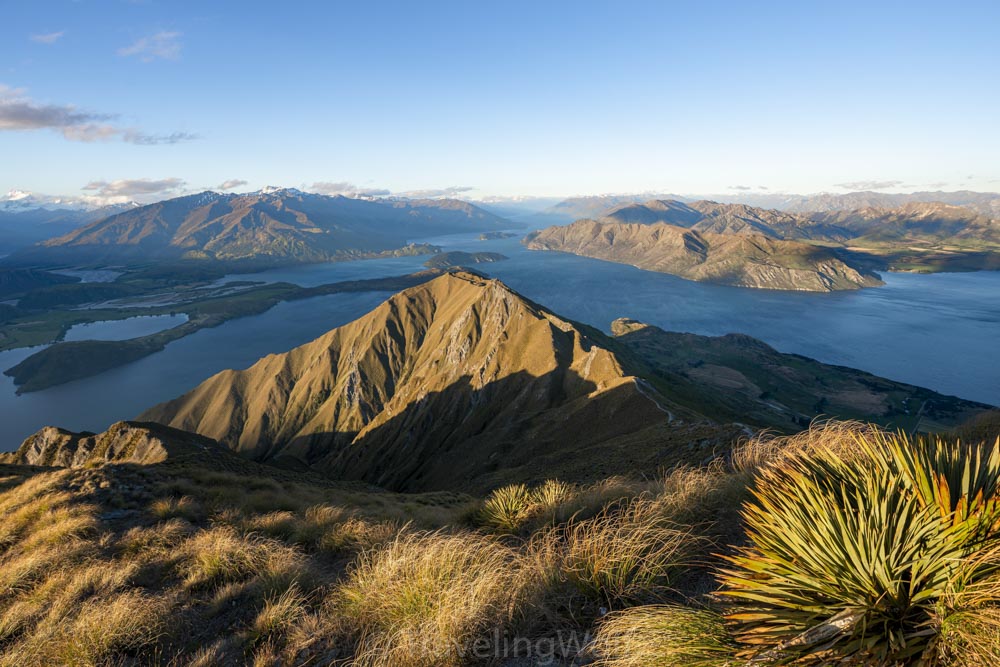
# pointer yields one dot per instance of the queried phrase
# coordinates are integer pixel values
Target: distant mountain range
(932, 220)
(985, 203)
(463, 384)
(926, 222)
(736, 244)
(275, 225)
(26, 219)
(575, 208)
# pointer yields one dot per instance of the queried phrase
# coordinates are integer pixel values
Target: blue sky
(532, 98)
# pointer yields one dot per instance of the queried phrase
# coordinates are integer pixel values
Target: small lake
(132, 327)
(90, 275)
(939, 331)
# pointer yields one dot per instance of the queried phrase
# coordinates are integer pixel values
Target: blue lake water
(132, 327)
(91, 275)
(939, 331)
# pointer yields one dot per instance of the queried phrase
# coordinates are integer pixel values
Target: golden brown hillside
(457, 383)
(744, 259)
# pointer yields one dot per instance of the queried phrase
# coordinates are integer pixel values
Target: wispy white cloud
(346, 189)
(47, 37)
(869, 185)
(144, 139)
(164, 45)
(452, 191)
(134, 187)
(20, 113)
(230, 184)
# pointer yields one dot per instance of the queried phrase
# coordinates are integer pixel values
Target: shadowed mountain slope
(457, 383)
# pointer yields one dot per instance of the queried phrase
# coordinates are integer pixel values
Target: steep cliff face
(743, 260)
(124, 442)
(452, 384)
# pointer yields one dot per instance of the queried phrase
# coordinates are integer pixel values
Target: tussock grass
(324, 529)
(766, 449)
(97, 631)
(663, 636)
(627, 554)
(519, 509)
(108, 626)
(177, 565)
(280, 612)
(423, 597)
(221, 555)
(184, 507)
(154, 540)
(970, 622)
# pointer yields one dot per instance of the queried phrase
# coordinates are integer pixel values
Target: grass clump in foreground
(426, 598)
(857, 556)
(841, 545)
(664, 636)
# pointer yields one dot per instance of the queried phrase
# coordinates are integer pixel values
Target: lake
(131, 327)
(939, 331)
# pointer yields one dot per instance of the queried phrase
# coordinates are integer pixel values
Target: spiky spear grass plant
(507, 508)
(854, 556)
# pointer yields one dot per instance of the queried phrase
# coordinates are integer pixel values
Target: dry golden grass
(221, 555)
(179, 565)
(93, 631)
(184, 507)
(766, 449)
(424, 597)
(628, 553)
(663, 636)
(519, 509)
(280, 612)
(970, 618)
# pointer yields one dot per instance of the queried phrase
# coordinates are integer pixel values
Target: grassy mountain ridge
(458, 365)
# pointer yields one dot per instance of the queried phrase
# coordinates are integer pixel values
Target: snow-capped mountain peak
(21, 201)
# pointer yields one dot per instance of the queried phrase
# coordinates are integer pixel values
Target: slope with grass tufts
(221, 561)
